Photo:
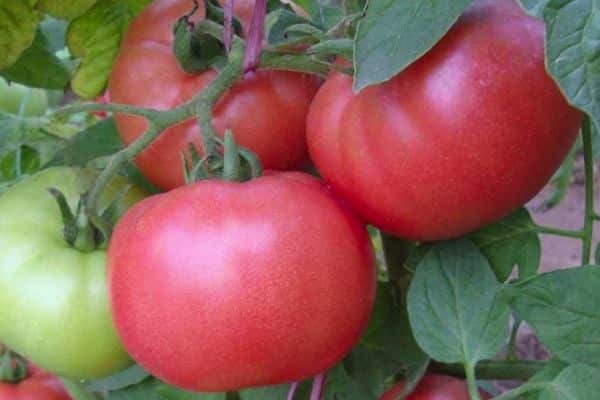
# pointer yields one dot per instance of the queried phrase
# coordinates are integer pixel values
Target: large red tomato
(266, 112)
(435, 387)
(465, 135)
(38, 385)
(218, 286)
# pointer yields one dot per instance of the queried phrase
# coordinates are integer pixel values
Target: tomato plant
(434, 387)
(13, 96)
(259, 272)
(53, 295)
(431, 122)
(455, 141)
(267, 111)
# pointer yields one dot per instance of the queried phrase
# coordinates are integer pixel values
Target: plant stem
(472, 382)
(520, 370)
(521, 390)
(559, 232)
(588, 156)
(512, 344)
(119, 108)
(318, 387)
(206, 100)
(292, 392)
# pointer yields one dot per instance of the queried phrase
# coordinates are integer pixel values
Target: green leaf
(96, 141)
(561, 181)
(279, 21)
(130, 376)
(453, 306)
(508, 242)
(534, 7)
(39, 67)
(562, 307)
(577, 382)
(324, 13)
(16, 131)
(597, 256)
(65, 9)
(386, 348)
(28, 162)
(18, 22)
(153, 389)
(341, 386)
(95, 37)
(573, 49)
(394, 33)
(266, 393)
(547, 374)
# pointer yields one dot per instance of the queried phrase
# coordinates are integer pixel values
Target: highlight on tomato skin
(464, 136)
(266, 111)
(435, 387)
(253, 295)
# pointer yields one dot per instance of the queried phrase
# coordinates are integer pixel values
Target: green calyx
(83, 230)
(13, 368)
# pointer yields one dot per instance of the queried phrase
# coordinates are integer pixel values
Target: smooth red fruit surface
(39, 385)
(435, 387)
(266, 112)
(464, 136)
(218, 286)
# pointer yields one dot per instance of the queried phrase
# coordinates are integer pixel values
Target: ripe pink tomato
(266, 112)
(464, 136)
(217, 286)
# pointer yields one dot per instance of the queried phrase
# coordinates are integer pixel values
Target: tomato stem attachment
(318, 386)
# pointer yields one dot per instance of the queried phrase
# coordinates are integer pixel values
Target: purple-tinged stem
(255, 36)
(292, 392)
(318, 387)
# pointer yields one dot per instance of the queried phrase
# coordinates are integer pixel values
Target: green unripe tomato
(11, 96)
(53, 297)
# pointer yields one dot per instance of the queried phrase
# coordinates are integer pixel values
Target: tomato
(435, 387)
(12, 95)
(218, 286)
(465, 135)
(53, 297)
(266, 111)
(38, 385)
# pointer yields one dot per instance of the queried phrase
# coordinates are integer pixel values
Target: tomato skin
(464, 136)
(11, 96)
(54, 297)
(435, 387)
(266, 112)
(38, 385)
(218, 286)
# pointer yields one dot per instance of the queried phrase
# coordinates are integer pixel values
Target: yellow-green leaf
(95, 37)
(18, 22)
(65, 9)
